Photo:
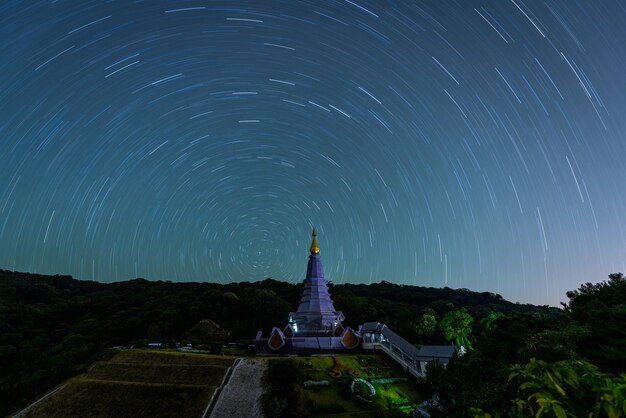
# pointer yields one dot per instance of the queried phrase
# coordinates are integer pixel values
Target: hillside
(53, 327)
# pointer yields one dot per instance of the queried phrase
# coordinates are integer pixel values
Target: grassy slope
(84, 397)
(140, 383)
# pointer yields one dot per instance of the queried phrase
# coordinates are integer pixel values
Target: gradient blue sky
(474, 144)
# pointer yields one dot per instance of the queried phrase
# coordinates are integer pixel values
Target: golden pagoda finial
(315, 249)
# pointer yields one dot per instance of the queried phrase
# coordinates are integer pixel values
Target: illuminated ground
(399, 392)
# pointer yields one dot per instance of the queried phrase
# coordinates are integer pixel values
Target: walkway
(378, 336)
(241, 394)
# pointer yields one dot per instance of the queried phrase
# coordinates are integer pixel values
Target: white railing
(389, 351)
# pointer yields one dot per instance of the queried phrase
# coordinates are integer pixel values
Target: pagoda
(315, 325)
(316, 313)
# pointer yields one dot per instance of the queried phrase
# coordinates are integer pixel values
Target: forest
(566, 365)
(523, 359)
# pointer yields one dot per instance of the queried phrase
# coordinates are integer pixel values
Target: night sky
(468, 144)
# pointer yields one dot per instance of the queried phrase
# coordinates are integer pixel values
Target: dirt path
(241, 396)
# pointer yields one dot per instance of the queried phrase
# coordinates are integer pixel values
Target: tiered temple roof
(316, 313)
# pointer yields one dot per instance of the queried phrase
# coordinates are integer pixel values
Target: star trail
(468, 144)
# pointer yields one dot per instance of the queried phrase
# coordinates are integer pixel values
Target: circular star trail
(469, 144)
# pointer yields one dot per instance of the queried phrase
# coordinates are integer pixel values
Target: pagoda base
(300, 344)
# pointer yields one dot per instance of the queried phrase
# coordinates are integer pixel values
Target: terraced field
(140, 383)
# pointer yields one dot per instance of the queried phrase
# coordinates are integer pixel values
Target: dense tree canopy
(567, 388)
(455, 326)
(426, 325)
(567, 365)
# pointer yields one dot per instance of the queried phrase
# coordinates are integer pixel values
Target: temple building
(316, 313)
(316, 327)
